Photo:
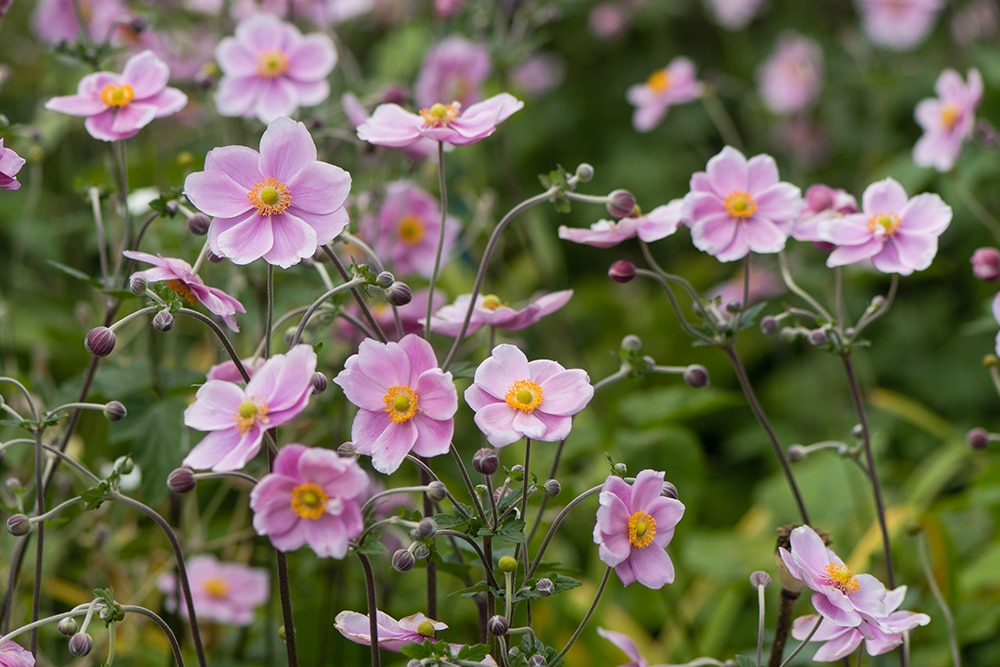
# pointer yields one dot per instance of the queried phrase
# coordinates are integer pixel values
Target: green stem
(586, 617)
(443, 194)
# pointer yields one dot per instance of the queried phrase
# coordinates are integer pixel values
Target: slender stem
(286, 607)
(555, 526)
(369, 254)
(175, 647)
(468, 483)
(760, 624)
(802, 645)
(483, 558)
(269, 312)
(362, 304)
(783, 625)
(545, 497)
(443, 194)
(36, 593)
(662, 280)
(949, 620)
(372, 607)
(351, 284)
(720, 118)
(221, 335)
(586, 617)
(793, 287)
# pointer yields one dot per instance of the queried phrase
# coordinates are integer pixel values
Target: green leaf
(743, 661)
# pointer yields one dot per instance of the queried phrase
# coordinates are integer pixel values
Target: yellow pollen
(889, 222)
(216, 588)
(117, 95)
(182, 290)
(658, 81)
(249, 413)
(949, 116)
(411, 230)
(401, 403)
(309, 501)
(491, 302)
(524, 395)
(641, 529)
(440, 115)
(740, 204)
(271, 64)
(270, 197)
(425, 629)
(842, 578)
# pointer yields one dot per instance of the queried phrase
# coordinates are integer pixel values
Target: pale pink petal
(212, 449)
(391, 125)
(237, 95)
(214, 407)
(885, 196)
(247, 240)
(728, 172)
(566, 393)
(319, 187)
(277, 98)
(506, 365)
(433, 437)
(215, 193)
(285, 149)
(77, 105)
(312, 58)
(496, 421)
(240, 163)
(167, 102)
(392, 446)
(294, 240)
(146, 73)
(235, 60)
(652, 567)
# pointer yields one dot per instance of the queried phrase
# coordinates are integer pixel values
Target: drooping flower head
(515, 398)
(948, 120)
(279, 204)
(899, 25)
(625, 643)
(236, 416)
(311, 497)
(737, 206)
(392, 634)
(407, 403)
(634, 526)
(391, 125)
(10, 164)
(181, 278)
(899, 234)
(674, 84)
(659, 223)
(269, 69)
(791, 77)
(453, 70)
(490, 310)
(117, 106)
(223, 592)
(13, 654)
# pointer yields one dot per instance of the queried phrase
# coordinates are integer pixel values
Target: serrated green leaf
(512, 530)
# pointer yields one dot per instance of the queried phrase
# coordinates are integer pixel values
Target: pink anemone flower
(634, 526)
(453, 70)
(13, 654)
(899, 234)
(236, 417)
(791, 78)
(674, 84)
(407, 403)
(223, 592)
(899, 25)
(10, 164)
(734, 14)
(311, 497)
(491, 311)
(948, 120)
(117, 106)
(737, 206)
(56, 21)
(659, 223)
(279, 204)
(515, 398)
(392, 634)
(358, 114)
(391, 125)
(182, 279)
(822, 204)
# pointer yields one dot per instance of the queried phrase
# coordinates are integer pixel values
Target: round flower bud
(620, 204)
(486, 461)
(385, 280)
(100, 341)
(281, 632)
(319, 383)
(497, 625)
(552, 487)
(115, 411)
(181, 480)
(631, 343)
(426, 528)
(421, 552)
(817, 337)
(696, 376)
(619, 470)
(668, 490)
(986, 264)
(537, 661)
(198, 224)
(545, 587)
(213, 258)
(18, 525)
(788, 335)
(399, 294)
(507, 563)
(584, 172)
(402, 560)
(877, 302)
(80, 644)
(977, 438)
(68, 626)
(436, 491)
(517, 473)
(760, 578)
(346, 450)
(991, 361)
(137, 284)
(163, 320)
(622, 271)
(796, 453)
(769, 325)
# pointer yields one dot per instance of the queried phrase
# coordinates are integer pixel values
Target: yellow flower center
(182, 290)
(889, 223)
(251, 411)
(216, 588)
(842, 578)
(440, 115)
(309, 501)
(740, 204)
(524, 395)
(425, 629)
(491, 302)
(270, 197)
(411, 230)
(401, 403)
(949, 116)
(641, 529)
(117, 95)
(658, 81)
(271, 64)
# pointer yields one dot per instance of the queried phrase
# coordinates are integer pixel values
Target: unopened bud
(507, 563)
(622, 271)
(668, 490)
(621, 203)
(402, 560)
(68, 626)
(486, 461)
(517, 473)
(497, 625)
(696, 376)
(420, 551)
(100, 341)
(80, 644)
(619, 470)
(857, 431)
(181, 480)
(437, 491)
(584, 172)
(163, 320)
(631, 343)
(545, 587)
(198, 224)
(537, 661)
(877, 302)
(817, 337)
(760, 578)
(769, 325)
(18, 525)
(796, 453)
(977, 438)
(347, 450)
(788, 335)
(986, 264)
(734, 307)
(552, 487)
(426, 528)
(385, 280)
(319, 383)
(399, 294)
(137, 284)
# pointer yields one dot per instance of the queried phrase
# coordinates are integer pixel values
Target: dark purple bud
(213, 258)
(769, 325)
(426, 528)
(696, 376)
(319, 383)
(545, 587)
(552, 487)
(385, 280)
(421, 552)
(393, 95)
(622, 271)
(100, 341)
(437, 491)
(198, 224)
(80, 644)
(977, 438)
(181, 480)
(347, 451)
(621, 204)
(18, 525)
(137, 284)
(486, 461)
(399, 294)
(497, 625)
(163, 320)
(668, 490)
(115, 411)
(402, 560)
(817, 337)
(986, 264)
(619, 470)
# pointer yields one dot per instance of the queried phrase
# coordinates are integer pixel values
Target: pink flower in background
(899, 25)
(270, 70)
(13, 654)
(321, 12)
(986, 264)
(899, 234)
(791, 78)
(764, 284)
(279, 204)
(674, 84)
(948, 120)
(634, 526)
(823, 204)
(117, 106)
(182, 279)
(407, 403)
(227, 372)
(659, 223)
(236, 417)
(453, 70)
(392, 634)
(10, 164)
(222, 592)
(515, 398)
(625, 643)
(405, 231)
(734, 14)
(56, 21)
(311, 497)
(538, 74)
(358, 115)
(739, 206)
(393, 126)
(491, 311)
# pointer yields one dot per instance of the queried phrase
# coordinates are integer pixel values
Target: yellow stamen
(641, 529)
(440, 115)
(250, 412)
(889, 222)
(842, 578)
(524, 395)
(949, 116)
(740, 204)
(270, 196)
(216, 588)
(182, 290)
(658, 81)
(411, 229)
(309, 501)
(491, 302)
(271, 64)
(117, 95)
(401, 403)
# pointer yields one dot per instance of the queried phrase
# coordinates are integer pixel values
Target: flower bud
(619, 470)
(769, 325)
(857, 431)
(517, 473)
(421, 551)
(796, 453)
(486, 461)
(80, 644)
(213, 258)
(497, 625)
(100, 341)
(198, 224)
(552, 487)
(181, 480)
(399, 294)
(385, 280)
(668, 490)
(788, 334)
(18, 525)
(436, 491)
(734, 307)
(545, 587)
(621, 203)
(622, 271)
(986, 264)
(631, 343)
(537, 661)
(426, 528)
(115, 411)
(696, 376)
(163, 320)
(137, 284)
(977, 438)
(507, 563)
(319, 383)
(584, 172)
(347, 451)
(68, 626)
(817, 337)
(760, 578)
(402, 560)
